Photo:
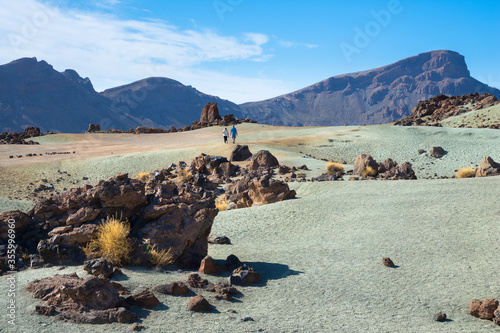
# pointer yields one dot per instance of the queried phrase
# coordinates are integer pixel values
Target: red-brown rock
(144, 299)
(387, 262)
(210, 113)
(244, 275)
(209, 266)
(263, 159)
(199, 304)
(488, 167)
(484, 308)
(362, 162)
(174, 288)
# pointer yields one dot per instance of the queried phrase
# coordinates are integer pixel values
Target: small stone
(388, 262)
(440, 316)
(136, 327)
(246, 319)
(421, 151)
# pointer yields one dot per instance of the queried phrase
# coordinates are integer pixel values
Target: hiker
(225, 133)
(234, 133)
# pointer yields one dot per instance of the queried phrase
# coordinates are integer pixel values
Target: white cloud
(110, 50)
(289, 44)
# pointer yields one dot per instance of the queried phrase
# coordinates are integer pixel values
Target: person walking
(225, 133)
(234, 133)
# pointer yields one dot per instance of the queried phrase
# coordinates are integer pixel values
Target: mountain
(163, 101)
(380, 95)
(32, 93)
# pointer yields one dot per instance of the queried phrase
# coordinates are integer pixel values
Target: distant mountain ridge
(380, 95)
(32, 93)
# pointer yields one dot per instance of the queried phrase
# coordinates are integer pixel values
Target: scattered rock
(232, 262)
(247, 319)
(483, 309)
(387, 262)
(244, 275)
(263, 159)
(115, 315)
(144, 299)
(45, 310)
(488, 167)
(437, 152)
(199, 304)
(136, 327)
(440, 316)
(174, 288)
(99, 266)
(219, 240)
(421, 151)
(209, 266)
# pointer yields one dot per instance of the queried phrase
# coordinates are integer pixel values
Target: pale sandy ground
(321, 254)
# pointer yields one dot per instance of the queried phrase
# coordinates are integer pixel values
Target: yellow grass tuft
(334, 167)
(369, 172)
(143, 177)
(221, 203)
(26, 256)
(187, 174)
(467, 172)
(161, 258)
(111, 242)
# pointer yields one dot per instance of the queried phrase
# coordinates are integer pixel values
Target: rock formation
(210, 113)
(20, 138)
(432, 111)
(380, 95)
(366, 166)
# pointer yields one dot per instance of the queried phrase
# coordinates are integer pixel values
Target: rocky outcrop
(365, 166)
(14, 138)
(263, 160)
(380, 95)
(93, 300)
(488, 167)
(210, 113)
(430, 112)
(94, 128)
(256, 189)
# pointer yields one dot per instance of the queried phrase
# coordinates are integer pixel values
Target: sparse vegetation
(221, 203)
(369, 172)
(334, 167)
(187, 174)
(467, 172)
(143, 177)
(111, 242)
(162, 257)
(26, 256)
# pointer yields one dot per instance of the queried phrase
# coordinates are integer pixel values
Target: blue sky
(245, 50)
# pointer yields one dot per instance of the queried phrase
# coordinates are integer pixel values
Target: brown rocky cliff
(380, 95)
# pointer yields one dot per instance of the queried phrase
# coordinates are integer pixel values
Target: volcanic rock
(244, 275)
(94, 128)
(210, 113)
(437, 152)
(488, 167)
(209, 266)
(174, 288)
(362, 162)
(199, 304)
(263, 159)
(99, 266)
(387, 262)
(240, 153)
(144, 299)
(484, 308)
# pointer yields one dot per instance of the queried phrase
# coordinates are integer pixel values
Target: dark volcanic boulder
(240, 153)
(199, 304)
(94, 128)
(98, 266)
(263, 159)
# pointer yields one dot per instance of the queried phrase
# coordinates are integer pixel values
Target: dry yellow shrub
(334, 167)
(143, 177)
(221, 203)
(369, 172)
(111, 242)
(467, 172)
(161, 258)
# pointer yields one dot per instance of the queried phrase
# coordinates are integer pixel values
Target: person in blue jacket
(234, 133)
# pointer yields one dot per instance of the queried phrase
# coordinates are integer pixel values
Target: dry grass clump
(187, 174)
(161, 258)
(467, 172)
(369, 172)
(143, 177)
(221, 203)
(334, 167)
(111, 242)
